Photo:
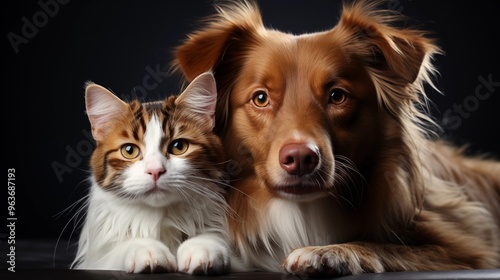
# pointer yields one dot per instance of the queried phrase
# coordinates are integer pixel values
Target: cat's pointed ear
(200, 96)
(103, 108)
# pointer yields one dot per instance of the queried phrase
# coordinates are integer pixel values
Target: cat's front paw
(333, 260)
(149, 257)
(203, 255)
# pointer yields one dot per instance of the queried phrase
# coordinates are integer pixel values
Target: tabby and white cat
(156, 203)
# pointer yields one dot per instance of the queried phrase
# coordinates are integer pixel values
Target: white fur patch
(288, 225)
(145, 255)
(204, 253)
(152, 136)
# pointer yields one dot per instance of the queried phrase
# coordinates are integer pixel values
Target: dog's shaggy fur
(335, 167)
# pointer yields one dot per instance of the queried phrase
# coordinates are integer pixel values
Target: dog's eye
(260, 99)
(337, 96)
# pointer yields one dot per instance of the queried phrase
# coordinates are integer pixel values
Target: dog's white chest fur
(288, 225)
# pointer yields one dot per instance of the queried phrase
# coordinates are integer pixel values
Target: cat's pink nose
(156, 172)
(155, 169)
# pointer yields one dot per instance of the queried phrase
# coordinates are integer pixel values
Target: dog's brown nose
(298, 159)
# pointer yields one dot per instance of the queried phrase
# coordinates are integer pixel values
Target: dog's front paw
(333, 260)
(203, 255)
(149, 256)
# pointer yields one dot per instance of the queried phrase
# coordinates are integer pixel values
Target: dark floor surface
(49, 259)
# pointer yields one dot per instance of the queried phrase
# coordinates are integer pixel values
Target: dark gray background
(118, 44)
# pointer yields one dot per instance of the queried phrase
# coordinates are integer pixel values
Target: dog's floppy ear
(401, 51)
(206, 48)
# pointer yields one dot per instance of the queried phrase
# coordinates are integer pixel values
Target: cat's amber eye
(178, 147)
(130, 151)
(337, 96)
(260, 98)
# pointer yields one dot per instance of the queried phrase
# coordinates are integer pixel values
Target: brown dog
(338, 171)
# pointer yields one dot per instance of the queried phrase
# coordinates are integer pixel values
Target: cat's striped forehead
(142, 114)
